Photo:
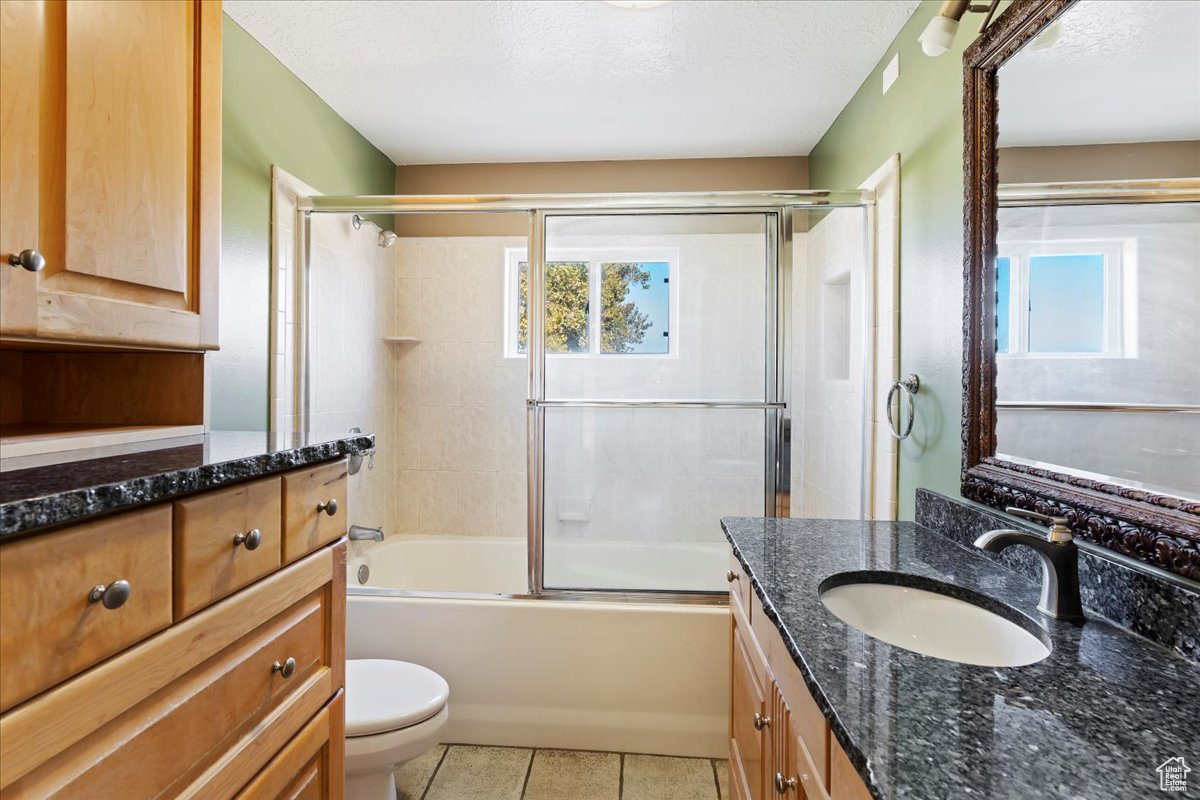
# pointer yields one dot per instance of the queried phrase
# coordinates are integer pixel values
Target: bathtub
(579, 674)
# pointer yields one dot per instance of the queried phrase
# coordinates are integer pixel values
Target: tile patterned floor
(469, 772)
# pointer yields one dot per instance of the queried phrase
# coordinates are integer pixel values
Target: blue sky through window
(1066, 303)
(1003, 303)
(655, 302)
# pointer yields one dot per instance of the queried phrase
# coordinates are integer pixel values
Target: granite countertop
(67, 491)
(1093, 720)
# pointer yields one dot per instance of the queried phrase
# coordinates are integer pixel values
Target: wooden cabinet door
(20, 77)
(311, 766)
(120, 187)
(747, 705)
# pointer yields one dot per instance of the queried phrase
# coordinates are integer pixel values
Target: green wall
(921, 119)
(269, 117)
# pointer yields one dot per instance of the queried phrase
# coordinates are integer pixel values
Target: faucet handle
(1060, 530)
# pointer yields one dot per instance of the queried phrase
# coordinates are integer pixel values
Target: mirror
(1082, 374)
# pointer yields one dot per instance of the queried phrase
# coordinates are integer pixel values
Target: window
(597, 303)
(1059, 299)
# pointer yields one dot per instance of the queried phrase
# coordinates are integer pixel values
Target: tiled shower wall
(352, 366)
(460, 414)
(827, 375)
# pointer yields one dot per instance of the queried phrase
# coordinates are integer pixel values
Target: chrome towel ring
(910, 386)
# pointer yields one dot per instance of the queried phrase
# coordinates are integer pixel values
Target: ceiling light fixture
(637, 4)
(938, 35)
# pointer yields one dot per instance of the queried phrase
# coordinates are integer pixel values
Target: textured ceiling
(527, 80)
(1108, 71)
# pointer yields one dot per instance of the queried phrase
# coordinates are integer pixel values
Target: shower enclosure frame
(778, 209)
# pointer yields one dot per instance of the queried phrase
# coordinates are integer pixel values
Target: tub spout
(360, 533)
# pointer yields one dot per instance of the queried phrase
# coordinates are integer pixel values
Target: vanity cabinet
(110, 156)
(780, 744)
(231, 688)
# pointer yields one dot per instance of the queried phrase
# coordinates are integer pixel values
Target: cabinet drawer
(739, 583)
(50, 628)
(310, 766)
(225, 540)
(314, 508)
(163, 745)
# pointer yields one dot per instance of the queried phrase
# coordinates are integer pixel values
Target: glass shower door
(656, 415)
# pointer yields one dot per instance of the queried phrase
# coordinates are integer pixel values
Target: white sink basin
(934, 624)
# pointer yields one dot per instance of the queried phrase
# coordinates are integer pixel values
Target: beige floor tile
(413, 777)
(574, 775)
(663, 778)
(722, 768)
(480, 773)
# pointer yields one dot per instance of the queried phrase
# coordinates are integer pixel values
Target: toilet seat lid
(383, 695)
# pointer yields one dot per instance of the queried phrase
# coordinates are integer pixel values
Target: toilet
(395, 712)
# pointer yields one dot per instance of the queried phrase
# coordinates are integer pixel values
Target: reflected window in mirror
(1062, 299)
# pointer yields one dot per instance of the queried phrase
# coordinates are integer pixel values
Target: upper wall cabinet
(110, 148)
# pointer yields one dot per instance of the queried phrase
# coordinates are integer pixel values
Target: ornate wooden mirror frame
(1156, 529)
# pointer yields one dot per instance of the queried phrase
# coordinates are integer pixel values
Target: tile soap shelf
(402, 339)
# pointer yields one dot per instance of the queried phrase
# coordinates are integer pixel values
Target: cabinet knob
(287, 669)
(112, 595)
(761, 722)
(731, 576)
(31, 260)
(329, 507)
(782, 784)
(250, 539)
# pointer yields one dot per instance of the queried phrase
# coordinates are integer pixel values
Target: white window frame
(594, 256)
(1120, 292)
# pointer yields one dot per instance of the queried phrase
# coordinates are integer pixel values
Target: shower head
(386, 238)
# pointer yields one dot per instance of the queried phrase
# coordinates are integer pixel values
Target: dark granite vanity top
(1093, 720)
(73, 490)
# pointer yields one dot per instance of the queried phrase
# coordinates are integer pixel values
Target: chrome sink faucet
(359, 533)
(1060, 562)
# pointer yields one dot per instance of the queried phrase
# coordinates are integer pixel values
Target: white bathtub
(627, 677)
(498, 565)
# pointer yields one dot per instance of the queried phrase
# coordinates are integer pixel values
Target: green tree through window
(622, 324)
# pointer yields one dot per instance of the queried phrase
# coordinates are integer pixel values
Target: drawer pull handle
(761, 722)
(112, 595)
(329, 507)
(287, 669)
(250, 540)
(30, 260)
(782, 784)
(731, 576)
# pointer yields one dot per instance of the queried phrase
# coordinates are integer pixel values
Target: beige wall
(676, 175)
(1100, 162)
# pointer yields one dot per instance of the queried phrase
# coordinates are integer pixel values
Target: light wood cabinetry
(110, 148)
(300, 771)
(314, 508)
(780, 744)
(225, 540)
(53, 622)
(244, 691)
(747, 707)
